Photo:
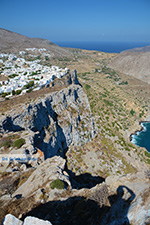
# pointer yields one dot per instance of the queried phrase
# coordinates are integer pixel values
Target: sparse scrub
(58, 184)
(87, 86)
(132, 112)
(18, 143)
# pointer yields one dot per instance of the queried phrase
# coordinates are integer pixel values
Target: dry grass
(27, 98)
(16, 206)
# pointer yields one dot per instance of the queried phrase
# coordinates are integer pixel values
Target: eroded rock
(51, 169)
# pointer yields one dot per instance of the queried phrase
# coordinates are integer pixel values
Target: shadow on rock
(80, 210)
(9, 126)
(85, 180)
(75, 210)
(120, 204)
(57, 144)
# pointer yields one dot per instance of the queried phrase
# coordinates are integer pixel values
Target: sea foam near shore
(142, 138)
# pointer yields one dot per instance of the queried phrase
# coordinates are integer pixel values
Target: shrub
(34, 73)
(59, 184)
(13, 75)
(18, 92)
(6, 144)
(123, 83)
(132, 112)
(13, 92)
(5, 94)
(100, 196)
(29, 85)
(87, 86)
(147, 154)
(18, 143)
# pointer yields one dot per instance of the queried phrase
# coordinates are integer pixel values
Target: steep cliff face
(53, 122)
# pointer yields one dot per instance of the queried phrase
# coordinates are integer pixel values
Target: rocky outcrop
(12, 220)
(51, 169)
(53, 122)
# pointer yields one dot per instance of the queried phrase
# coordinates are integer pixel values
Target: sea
(110, 47)
(142, 138)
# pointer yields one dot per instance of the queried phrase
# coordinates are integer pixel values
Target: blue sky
(79, 20)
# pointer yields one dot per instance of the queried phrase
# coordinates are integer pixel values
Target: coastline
(139, 130)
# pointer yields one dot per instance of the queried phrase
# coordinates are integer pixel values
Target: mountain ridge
(11, 42)
(139, 49)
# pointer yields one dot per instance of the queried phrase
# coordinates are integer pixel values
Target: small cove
(142, 138)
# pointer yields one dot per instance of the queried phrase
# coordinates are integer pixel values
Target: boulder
(35, 221)
(11, 220)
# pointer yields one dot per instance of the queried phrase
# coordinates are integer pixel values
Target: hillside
(11, 42)
(133, 63)
(140, 49)
(78, 128)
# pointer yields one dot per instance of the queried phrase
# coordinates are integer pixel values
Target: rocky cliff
(52, 122)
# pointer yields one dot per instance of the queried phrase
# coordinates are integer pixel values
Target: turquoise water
(142, 138)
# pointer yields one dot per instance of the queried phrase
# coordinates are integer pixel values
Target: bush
(13, 92)
(123, 83)
(5, 94)
(13, 75)
(132, 112)
(59, 184)
(147, 154)
(18, 143)
(87, 86)
(6, 144)
(18, 92)
(29, 85)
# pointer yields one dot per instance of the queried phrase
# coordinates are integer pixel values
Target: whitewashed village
(25, 76)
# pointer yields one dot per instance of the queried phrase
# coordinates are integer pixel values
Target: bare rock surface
(51, 169)
(35, 221)
(53, 122)
(133, 200)
(11, 220)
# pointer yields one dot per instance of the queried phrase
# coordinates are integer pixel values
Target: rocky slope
(134, 63)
